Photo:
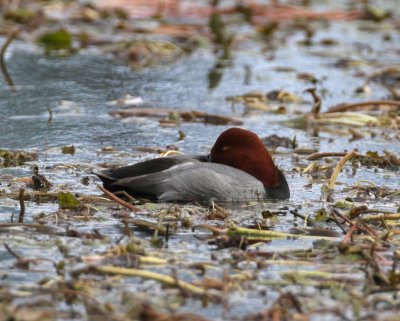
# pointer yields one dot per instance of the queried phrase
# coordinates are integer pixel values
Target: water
(78, 89)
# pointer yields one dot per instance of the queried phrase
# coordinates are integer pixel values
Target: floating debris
(127, 100)
(389, 77)
(54, 41)
(66, 200)
(10, 158)
(284, 97)
(388, 160)
(68, 150)
(39, 181)
(275, 141)
(174, 116)
(146, 52)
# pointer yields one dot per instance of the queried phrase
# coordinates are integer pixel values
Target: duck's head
(243, 149)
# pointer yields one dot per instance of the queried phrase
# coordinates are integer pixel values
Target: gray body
(182, 178)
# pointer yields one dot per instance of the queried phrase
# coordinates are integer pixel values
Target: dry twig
(365, 104)
(117, 199)
(338, 168)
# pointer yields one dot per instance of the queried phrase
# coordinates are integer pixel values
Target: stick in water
(338, 168)
(117, 199)
(22, 206)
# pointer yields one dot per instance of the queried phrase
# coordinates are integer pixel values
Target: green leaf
(56, 40)
(67, 200)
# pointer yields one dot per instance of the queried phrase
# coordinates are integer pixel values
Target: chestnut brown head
(244, 150)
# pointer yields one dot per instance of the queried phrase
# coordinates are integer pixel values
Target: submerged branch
(3, 66)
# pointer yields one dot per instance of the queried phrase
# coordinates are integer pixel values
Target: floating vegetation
(68, 150)
(175, 116)
(351, 119)
(274, 95)
(39, 181)
(342, 115)
(147, 53)
(67, 200)
(388, 160)
(20, 15)
(388, 76)
(377, 14)
(10, 158)
(275, 141)
(54, 41)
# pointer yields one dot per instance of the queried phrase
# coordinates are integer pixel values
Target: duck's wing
(109, 177)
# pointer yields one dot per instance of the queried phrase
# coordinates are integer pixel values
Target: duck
(238, 168)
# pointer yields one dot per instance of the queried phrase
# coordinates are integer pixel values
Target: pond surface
(78, 90)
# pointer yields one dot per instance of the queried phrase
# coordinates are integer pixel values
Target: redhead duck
(239, 168)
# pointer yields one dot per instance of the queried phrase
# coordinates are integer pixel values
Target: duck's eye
(225, 148)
